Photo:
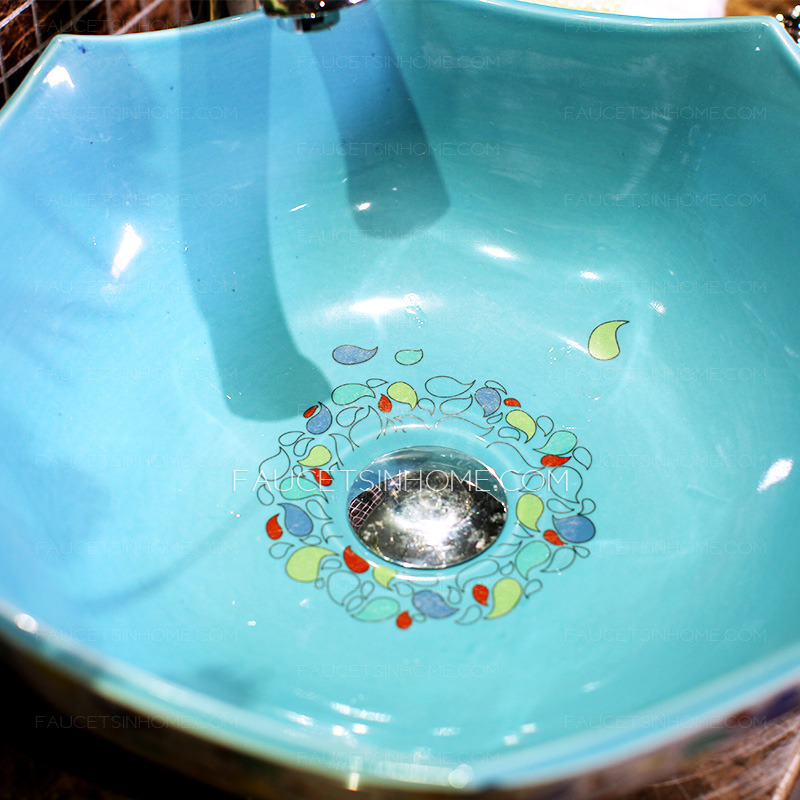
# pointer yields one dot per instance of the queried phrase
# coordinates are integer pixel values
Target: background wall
(26, 26)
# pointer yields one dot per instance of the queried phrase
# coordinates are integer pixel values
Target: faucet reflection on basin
(394, 184)
(305, 16)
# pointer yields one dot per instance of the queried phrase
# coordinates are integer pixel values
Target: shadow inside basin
(225, 224)
(394, 188)
(394, 185)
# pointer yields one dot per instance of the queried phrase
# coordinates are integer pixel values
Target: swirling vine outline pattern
(293, 481)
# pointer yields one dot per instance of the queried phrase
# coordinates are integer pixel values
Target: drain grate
(427, 507)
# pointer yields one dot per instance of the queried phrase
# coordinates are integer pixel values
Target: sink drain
(426, 507)
(422, 508)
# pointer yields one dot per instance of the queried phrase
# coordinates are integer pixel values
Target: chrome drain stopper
(427, 507)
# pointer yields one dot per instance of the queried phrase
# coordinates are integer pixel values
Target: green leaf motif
(559, 444)
(529, 508)
(318, 456)
(505, 595)
(378, 610)
(303, 565)
(402, 393)
(532, 555)
(383, 575)
(350, 392)
(603, 343)
(522, 422)
(408, 357)
(297, 487)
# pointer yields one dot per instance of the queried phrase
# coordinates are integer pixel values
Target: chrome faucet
(304, 16)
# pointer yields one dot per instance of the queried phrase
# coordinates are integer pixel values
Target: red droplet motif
(274, 530)
(510, 401)
(481, 594)
(385, 404)
(553, 537)
(321, 477)
(554, 461)
(404, 620)
(309, 412)
(354, 561)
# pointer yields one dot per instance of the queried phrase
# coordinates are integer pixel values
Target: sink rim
(690, 714)
(129, 685)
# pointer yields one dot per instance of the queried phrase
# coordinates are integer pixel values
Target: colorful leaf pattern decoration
(505, 595)
(378, 610)
(318, 456)
(402, 393)
(349, 354)
(408, 357)
(320, 421)
(303, 565)
(348, 393)
(603, 344)
(488, 399)
(301, 532)
(522, 422)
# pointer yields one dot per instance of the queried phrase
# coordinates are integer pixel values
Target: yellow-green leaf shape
(303, 564)
(522, 422)
(505, 595)
(318, 456)
(603, 343)
(383, 575)
(402, 393)
(529, 508)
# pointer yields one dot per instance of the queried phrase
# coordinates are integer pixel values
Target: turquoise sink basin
(240, 266)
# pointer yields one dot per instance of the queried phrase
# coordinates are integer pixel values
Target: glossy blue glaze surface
(193, 221)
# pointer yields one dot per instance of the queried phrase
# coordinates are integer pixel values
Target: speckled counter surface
(46, 755)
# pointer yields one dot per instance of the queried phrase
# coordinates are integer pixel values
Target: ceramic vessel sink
(241, 266)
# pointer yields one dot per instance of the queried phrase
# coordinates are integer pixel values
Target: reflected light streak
(576, 345)
(497, 252)
(377, 306)
(25, 622)
(58, 76)
(353, 780)
(778, 472)
(361, 713)
(129, 246)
